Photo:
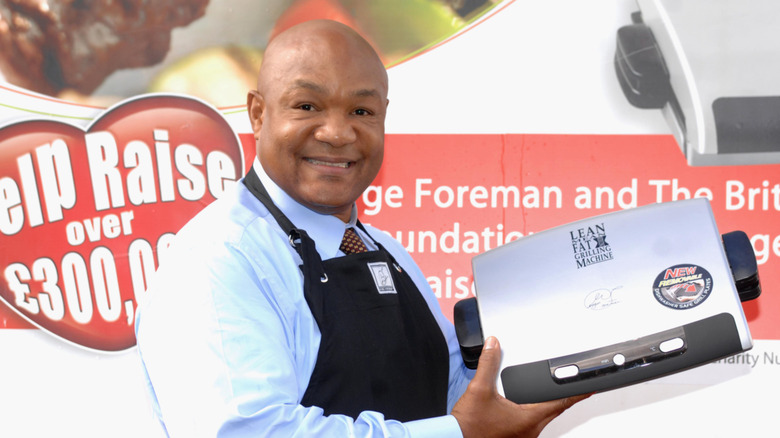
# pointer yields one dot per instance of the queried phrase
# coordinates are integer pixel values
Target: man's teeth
(327, 163)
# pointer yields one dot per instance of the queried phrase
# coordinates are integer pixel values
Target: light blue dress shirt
(228, 342)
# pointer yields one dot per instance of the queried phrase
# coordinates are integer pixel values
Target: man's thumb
(489, 362)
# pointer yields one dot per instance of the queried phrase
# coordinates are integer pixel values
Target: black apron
(381, 348)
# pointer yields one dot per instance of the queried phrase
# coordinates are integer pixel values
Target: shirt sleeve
(227, 355)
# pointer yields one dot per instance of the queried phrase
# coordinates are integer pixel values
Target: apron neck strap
(255, 186)
(298, 237)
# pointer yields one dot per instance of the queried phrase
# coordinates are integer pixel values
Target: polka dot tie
(351, 243)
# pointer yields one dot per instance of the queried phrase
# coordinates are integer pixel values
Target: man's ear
(255, 106)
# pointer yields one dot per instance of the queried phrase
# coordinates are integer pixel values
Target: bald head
(318, 42)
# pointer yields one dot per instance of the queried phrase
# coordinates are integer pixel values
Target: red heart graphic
(86, 215)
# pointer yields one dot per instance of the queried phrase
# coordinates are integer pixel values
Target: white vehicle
(713, 69)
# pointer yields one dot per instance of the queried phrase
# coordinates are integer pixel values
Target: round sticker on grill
(682, 286)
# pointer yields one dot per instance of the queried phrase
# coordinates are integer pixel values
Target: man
(262, 325)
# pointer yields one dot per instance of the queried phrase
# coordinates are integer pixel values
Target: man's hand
(482, 412)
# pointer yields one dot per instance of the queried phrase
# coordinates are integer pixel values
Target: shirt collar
(326, 230)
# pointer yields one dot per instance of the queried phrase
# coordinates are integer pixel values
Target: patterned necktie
(351, 243)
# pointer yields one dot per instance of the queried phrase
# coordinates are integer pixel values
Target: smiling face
(318, 115)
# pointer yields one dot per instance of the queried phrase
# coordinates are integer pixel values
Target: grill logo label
(590, 245)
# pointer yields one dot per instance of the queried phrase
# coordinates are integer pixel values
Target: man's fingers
(482, 412)
(555, 408)
(489, 362)
(571, 401)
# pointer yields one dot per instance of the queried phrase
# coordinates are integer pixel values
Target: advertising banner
(119, 121)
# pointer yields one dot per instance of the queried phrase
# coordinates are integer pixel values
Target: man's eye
(362, 112)
(306, 107)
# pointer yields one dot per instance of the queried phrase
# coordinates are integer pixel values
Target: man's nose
(336, 130)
